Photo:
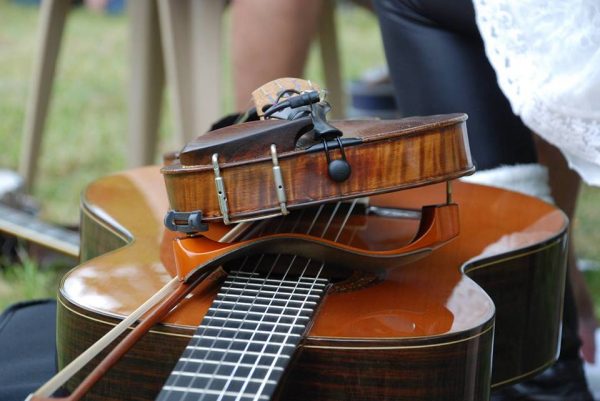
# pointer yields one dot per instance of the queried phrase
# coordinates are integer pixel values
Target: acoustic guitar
(479, 312)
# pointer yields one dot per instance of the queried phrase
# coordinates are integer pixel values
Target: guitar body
(426, 331)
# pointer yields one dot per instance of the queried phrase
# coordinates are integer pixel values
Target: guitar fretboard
(245, 340)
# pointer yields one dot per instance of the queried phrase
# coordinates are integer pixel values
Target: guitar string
(272, 366)
(275, 292)
(234, 370)
(164, 395)
(254, 301)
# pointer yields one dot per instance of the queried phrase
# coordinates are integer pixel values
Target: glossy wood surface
(439, 224)
(424, 323)
(409, 152)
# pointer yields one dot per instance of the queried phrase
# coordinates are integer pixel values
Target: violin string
(337, 206)
(343, 225)
(202, 329)
(317, 276)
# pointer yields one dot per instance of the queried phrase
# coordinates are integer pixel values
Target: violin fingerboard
(246, 339)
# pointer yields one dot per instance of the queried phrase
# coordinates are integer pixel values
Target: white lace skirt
(546, 54)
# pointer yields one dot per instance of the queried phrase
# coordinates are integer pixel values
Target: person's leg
(564, 184)
(270, 40)
(438, 65)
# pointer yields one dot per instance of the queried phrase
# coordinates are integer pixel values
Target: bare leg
(565, 184)
(270, 39)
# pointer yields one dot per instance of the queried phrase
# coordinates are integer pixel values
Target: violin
(481, 311)
(266, 168)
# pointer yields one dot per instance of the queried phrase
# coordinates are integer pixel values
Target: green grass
(85, 136)
(27, 280)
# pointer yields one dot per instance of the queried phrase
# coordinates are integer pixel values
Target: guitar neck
(246, 339)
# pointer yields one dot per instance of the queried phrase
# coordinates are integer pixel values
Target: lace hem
(547, 61)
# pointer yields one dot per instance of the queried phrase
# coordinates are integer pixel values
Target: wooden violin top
(246, 143)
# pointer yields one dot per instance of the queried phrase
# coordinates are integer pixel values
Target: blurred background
(85, 136)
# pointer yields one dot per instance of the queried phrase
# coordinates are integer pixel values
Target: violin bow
(170, 295)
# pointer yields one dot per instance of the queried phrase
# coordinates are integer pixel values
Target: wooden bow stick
(171, 293)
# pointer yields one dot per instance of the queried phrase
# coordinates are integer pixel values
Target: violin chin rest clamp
(339, 170)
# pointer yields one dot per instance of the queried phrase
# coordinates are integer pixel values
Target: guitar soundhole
(287, 267)
(291, 268)
(340, 222)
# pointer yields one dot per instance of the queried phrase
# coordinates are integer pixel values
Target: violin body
(409, 152)
(426, 330)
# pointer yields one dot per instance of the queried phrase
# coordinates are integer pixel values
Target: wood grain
(408, 153)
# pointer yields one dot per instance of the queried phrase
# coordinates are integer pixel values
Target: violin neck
(246, 338)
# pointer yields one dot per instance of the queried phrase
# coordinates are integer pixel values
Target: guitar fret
(234, 329)
(257, 280)
(249, 312)
(306, 288)
(235, 351)
(235, 318)
(269, 295)
(242, 345)
(280, 294)
(221, 377)
(245, 340)
(270, 300)
(228, 368)
(226, 363)
(215, 392)
(212, 383)
(259, 358)
(215, 339)
(276, 324)
(244, 304)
